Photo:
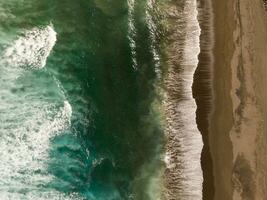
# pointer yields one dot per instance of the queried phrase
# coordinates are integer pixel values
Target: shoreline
(183, 174)
(202, 93)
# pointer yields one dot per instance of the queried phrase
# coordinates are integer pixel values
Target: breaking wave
(31, 115)
(32, 48)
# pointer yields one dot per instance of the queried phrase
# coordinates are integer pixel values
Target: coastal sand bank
(238, 138)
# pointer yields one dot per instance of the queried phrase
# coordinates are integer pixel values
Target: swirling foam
(31, 115)
(25, 135)
(31, 49)
(184, 143)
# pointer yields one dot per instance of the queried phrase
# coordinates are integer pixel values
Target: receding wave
(184, 143)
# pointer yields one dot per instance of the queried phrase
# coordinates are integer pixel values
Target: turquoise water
(79, 114)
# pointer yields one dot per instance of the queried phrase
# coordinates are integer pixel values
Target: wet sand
(237, 139)
(203, 94)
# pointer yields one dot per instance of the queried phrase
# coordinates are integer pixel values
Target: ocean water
(82, 102)
(76, 101)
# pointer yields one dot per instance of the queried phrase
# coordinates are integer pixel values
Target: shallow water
(183, 174)
(81, 103)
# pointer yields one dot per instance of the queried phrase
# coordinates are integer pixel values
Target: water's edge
(202, 92)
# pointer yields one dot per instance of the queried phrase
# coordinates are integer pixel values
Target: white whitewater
(132, 31)
(31, 49)
(30, 117)
(152, 30)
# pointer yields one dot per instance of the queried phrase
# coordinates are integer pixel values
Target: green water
(114, 137)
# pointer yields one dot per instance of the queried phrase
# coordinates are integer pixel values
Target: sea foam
(30, 118)
(32, 48)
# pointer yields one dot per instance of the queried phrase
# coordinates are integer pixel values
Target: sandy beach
(237, 135)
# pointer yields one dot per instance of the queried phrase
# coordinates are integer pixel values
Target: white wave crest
(132, 31)
(32, 49)
(25, 135)
(60, 121)
(30, 118)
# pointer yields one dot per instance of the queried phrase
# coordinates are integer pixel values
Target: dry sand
(238, 138)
